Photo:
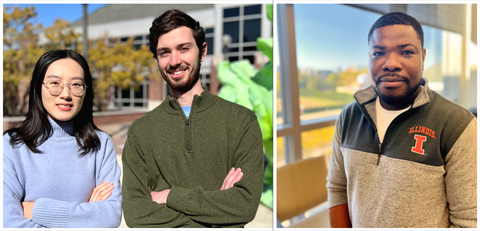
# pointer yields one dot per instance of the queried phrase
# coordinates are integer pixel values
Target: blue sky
(323, 45)
(47, 13)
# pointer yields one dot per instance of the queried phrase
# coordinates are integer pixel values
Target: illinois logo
(418, 148)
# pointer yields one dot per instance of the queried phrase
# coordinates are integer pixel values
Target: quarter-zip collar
(366, 101)
(200, 103)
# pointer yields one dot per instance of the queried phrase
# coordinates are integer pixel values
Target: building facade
(119, 22)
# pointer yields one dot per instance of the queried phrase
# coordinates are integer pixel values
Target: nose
(392, 63)
(175, 59)
(66, 94)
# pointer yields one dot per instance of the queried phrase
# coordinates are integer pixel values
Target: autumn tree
(24, 42)
(60, 35)
(118, 66)
(20, 53)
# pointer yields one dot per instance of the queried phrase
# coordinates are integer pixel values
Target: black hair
(395, 18)
(36, 128)
(171, 20)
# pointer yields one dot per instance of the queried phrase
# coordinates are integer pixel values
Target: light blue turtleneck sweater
(60, 183)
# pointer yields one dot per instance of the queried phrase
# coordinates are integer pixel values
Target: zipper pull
(379, 152)
(186, 121)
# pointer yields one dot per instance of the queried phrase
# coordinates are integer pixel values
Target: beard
(396, 100)
(181, 85)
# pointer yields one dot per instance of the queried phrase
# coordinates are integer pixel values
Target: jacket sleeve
(101, 214)
(233, 207)
(140, 211)
(13, 192)
(461, 178)
(336, 178)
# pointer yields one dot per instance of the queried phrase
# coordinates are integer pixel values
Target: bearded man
(403, 155)
(196, 160)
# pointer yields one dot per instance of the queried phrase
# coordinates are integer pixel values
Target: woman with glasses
(59, 169)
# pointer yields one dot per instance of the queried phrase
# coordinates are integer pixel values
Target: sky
(323, 45)
(47, 13)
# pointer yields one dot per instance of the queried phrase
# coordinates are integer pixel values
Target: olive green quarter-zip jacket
(191, 157)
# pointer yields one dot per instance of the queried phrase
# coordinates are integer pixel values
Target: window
(209, 38)
(320, 78)
(132, 97)
(323, 60)
(243, 24)
(331, 63)
(205, 80)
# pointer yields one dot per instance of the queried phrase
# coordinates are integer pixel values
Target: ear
(204, 51)
(424, 53)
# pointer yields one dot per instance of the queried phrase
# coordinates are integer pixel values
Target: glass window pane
(318, 142)
(233, 58)
(443, 62)
(138, 94)
(331, 65)
(232, 28)
(280, 152)
(209, 30)
(232, 49)
(252, 48)
(256, 9)
(209, 45)
(251, 30)
(125, 93)
(232, 12)
(250, 58)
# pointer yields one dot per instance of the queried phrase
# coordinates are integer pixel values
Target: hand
(101, 192)
(232, 177)
(27, 209)
(160, 197)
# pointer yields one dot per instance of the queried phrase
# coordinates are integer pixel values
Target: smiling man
(403, 156)
(196, 160)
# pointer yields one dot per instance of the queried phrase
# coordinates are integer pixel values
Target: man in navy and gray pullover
(403, 156)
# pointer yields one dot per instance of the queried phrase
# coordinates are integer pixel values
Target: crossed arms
(102, 210)
(155, 202)
(234, 175)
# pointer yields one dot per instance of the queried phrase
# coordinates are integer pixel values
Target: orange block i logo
(419, 144)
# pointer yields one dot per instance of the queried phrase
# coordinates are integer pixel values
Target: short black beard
(399, 100)
(188, 85)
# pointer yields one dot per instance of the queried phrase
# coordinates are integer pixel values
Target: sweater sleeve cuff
(50, 213)
(337, 198)
(178, 199)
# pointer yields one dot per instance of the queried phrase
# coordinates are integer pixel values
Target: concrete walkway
(118, 133)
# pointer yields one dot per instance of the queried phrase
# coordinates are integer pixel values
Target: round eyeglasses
(55, 87)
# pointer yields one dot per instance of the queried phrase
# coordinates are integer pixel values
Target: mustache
(173, 69)
(405, 79)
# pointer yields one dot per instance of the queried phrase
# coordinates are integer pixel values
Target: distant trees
(316, 82)
(116, 65)
(20, 53)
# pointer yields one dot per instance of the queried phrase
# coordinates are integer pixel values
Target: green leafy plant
(251, 88)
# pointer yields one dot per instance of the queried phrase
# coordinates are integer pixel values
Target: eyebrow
(179, 45)
(379, 47)
(58, 77)
(399, 46)
(406, 45)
